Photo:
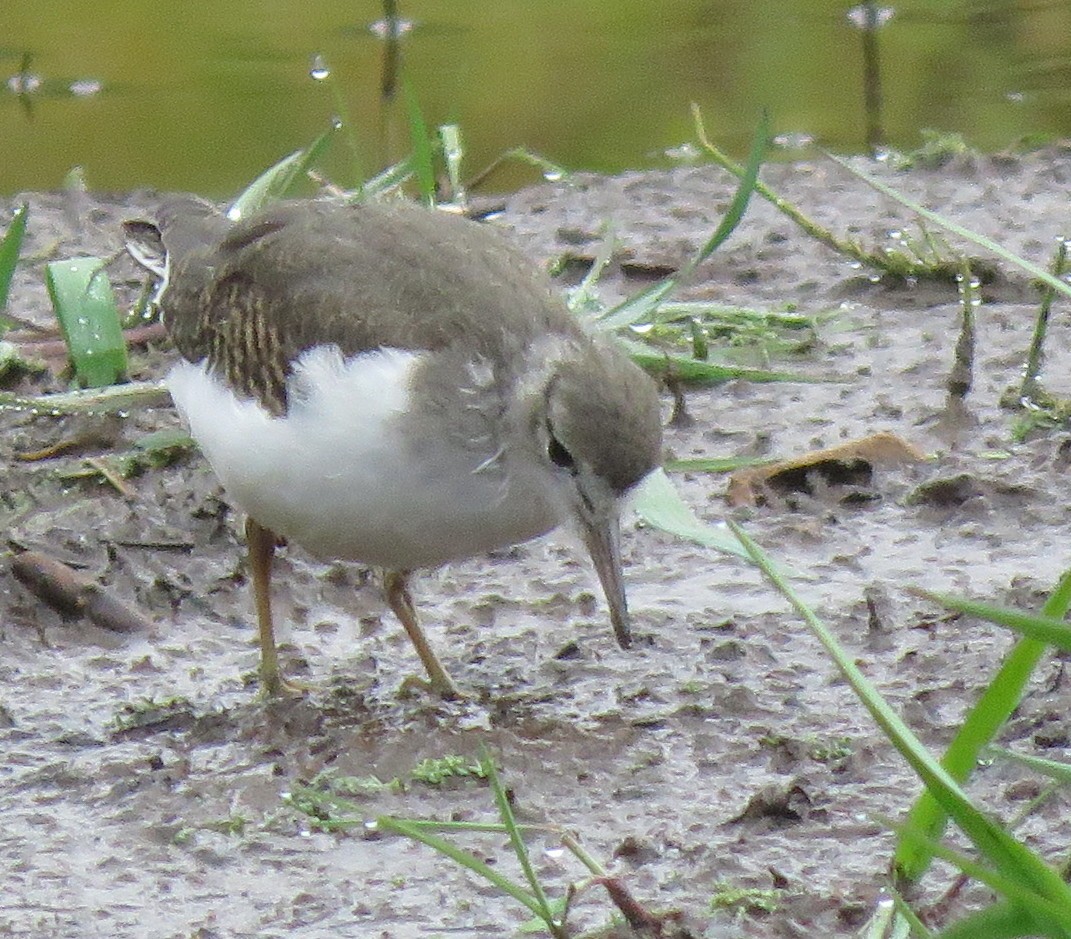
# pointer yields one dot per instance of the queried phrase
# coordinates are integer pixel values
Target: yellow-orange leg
(398, 597)
(260, 543)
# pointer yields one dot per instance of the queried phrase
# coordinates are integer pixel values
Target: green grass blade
(453, 154)
(729, 464)
(89, 319)
(583, 299)
(1010, 858)
(1000, 921)
(640, 307)
(979, 728)
(505, 812)
(280, 181)
(10, 249)
(144, 394)
(393, 177)
(684, 368)
(1000, 251)
(1059, 772)
(464, 858)
(1045, 629)
(1028, 909)
(908, 922)
(659, 504)
(422, 158)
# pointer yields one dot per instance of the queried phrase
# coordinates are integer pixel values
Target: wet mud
(143, 783)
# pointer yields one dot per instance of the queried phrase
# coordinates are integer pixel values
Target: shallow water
(200, 96)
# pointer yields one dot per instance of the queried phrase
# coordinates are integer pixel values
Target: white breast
(337, 476)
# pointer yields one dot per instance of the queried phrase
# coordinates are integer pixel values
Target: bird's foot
(443, 686)
(275, 686)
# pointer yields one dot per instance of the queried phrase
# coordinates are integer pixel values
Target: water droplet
(685, 153)
(319, 71)
(554, 853)
(869, 16)
(553, 176)
(393, 28)
(371, 825)
(86, 87)
(24, 83)
(797, 140)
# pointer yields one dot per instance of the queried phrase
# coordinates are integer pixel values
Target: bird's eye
(558, 455)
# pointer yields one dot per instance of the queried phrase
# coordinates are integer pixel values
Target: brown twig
(34, 347)
(638, 916)
(72, 594)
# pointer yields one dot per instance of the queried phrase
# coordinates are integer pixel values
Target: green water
(200, 94)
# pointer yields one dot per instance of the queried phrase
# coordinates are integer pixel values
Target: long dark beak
(603, 539)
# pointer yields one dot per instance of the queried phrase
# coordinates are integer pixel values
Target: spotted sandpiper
(397, 386)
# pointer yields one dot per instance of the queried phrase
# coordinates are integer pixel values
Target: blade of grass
(464, 858)
(684, 368)
(583, 299)
(659, 504)
(1021, 900)
(279, 181)
(10, 249)
(422, 161)
(505, 812)
(551, 171)
(982, 241)
(640, 307)
(88, 315)
(979, 727)
(1044, 628)
(1060, 772)
(714, 464)
(453, 154)
(389, 179)
(911, 924)
(90, 400)
(1010, 858)
(1001, 921)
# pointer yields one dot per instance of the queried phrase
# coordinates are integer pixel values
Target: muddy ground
(142, 782)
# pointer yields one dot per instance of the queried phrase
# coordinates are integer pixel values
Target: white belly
(336, 476)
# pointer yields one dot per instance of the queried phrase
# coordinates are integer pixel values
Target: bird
(391, 384)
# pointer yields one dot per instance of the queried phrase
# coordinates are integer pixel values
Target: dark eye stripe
(559, 456)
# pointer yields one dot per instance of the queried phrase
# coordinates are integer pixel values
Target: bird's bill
(602, 536)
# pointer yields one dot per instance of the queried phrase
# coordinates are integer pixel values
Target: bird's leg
(397, 589)
(260, 543)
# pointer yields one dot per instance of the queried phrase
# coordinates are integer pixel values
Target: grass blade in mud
(1034, 270)
(423, 162)
(1009, 858)
(279, 181)
(659, 504)
(89, 319)
(640, 307)
(985, 719)
(10, 249)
